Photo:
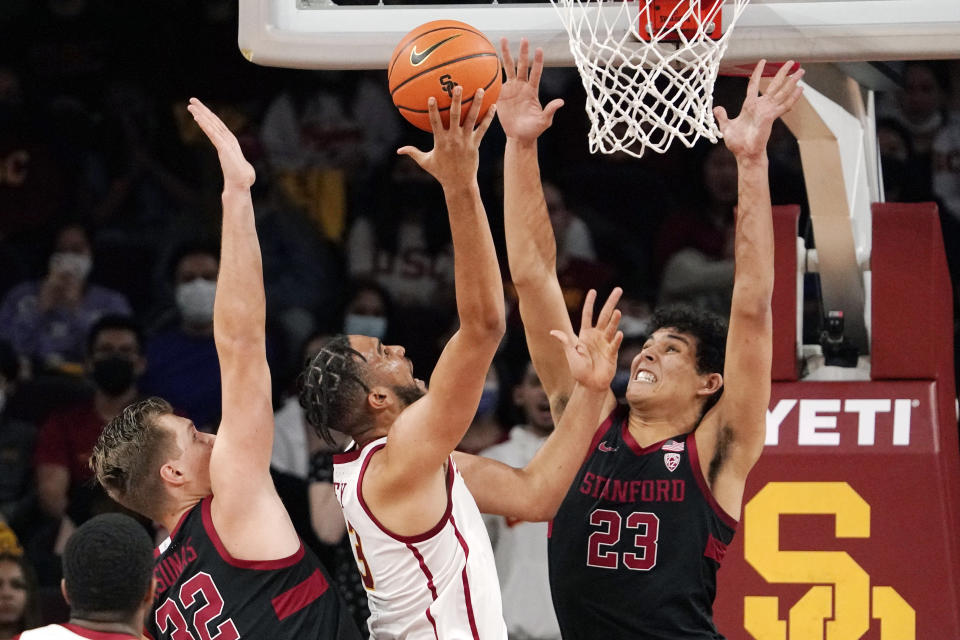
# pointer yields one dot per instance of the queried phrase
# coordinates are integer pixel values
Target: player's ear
(380, 398)
(148, 596)
(63, 590)
(171, 474)
(710, 384)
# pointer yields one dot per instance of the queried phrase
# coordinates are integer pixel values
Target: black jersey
(203, 593)
(635, 547)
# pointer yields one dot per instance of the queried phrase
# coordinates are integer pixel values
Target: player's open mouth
(645, 376)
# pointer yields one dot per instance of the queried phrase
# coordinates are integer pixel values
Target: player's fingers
(455, 103)
(607, 311)
(475, 106)
(721, 116)
(562, 337)
(617, 341)
(782, 85)
(610, 330)
(523, 60)
(753, 88)
(433, 112)
(417, 155)
(551, 109)
(487, 119)
(586, 316)
(537, 69)
(509, 66)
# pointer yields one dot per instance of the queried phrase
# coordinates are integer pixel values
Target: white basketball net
(645, 92)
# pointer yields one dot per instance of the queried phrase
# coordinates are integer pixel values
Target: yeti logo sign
(447, 84)
(819, 422)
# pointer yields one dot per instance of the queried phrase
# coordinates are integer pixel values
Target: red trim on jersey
(602, 431)
(430, 586)
(715, 549)
(426, 535)
(260, 565)
(147, 634)
(466, 579)
(296, 598)
(694, 458)
(181, 520)
(635, 446)
(348, 456)
(95, 635)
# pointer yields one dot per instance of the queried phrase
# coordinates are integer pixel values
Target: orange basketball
(433, 59)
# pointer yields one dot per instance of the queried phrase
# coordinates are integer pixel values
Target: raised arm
(531, 246)
(738, 420)
(535, 492)
(426, 432)
(240, 461)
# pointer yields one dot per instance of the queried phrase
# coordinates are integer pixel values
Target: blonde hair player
(636, 544)
(232, 545)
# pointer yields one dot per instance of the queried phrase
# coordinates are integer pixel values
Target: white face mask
(632, 326)
(76, 264)
(195, 300)
(363, 325)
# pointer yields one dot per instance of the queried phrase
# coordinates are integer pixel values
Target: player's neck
(130, 627)
(179, 507)
(648, 428)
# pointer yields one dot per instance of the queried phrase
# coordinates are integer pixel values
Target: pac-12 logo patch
(672, 460)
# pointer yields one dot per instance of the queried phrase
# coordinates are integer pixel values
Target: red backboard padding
(785, 293)
(912, 306)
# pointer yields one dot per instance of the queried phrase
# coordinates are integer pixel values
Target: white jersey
(70, 632)
(520, 549)
(439, 585)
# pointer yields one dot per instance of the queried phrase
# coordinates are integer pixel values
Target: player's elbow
(751, 301)
(487, 327)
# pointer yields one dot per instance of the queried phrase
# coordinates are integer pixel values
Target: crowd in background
(109, 214)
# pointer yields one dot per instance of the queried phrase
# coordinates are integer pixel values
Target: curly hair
(107, 567)
(710, 332)
(332, 387)
(128, 454)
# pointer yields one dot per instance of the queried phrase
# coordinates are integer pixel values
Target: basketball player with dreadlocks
(419, 541)
(637, 542)
(233, 566)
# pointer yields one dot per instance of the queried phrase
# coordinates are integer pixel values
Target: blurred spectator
(326, 136)
(898, 162)
(486, 429)
(946, 188)
(520, 548)
(694, 251)
(19, 604)
(182, 363)
(47, 321)
(630, 348)
(17, 439)
(114, 363)
(572, 234)
(368, 311)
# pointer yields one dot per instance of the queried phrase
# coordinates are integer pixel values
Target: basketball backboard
(318, 34)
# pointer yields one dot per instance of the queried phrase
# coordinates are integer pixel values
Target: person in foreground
(232, 545)
(107, 581)
(411, 507)
(637, 542)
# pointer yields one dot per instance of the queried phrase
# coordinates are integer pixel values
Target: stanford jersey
(635, 547)
(204, 592)
(440, 584)
(70, 632)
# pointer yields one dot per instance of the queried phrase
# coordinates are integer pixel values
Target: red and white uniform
(441, 584)
(70, 632)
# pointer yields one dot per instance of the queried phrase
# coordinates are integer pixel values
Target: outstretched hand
(237, 172)
(592, 355)
(521, 115)
(455, 156)
(747, 134)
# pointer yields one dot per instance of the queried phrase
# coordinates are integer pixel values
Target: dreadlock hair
(107, 567)
(710, 331)
(128, 455)
(332, 388)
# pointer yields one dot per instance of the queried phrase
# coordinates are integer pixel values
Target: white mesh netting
(644, 92)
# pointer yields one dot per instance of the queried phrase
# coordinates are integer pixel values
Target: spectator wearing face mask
(114, 363)
(367, 311)
(183, 365)
(46, 321)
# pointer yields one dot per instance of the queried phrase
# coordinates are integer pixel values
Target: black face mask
(113, 375)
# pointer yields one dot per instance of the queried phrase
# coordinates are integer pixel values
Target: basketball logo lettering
(447, 84)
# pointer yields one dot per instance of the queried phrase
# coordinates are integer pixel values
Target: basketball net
(648, 67)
